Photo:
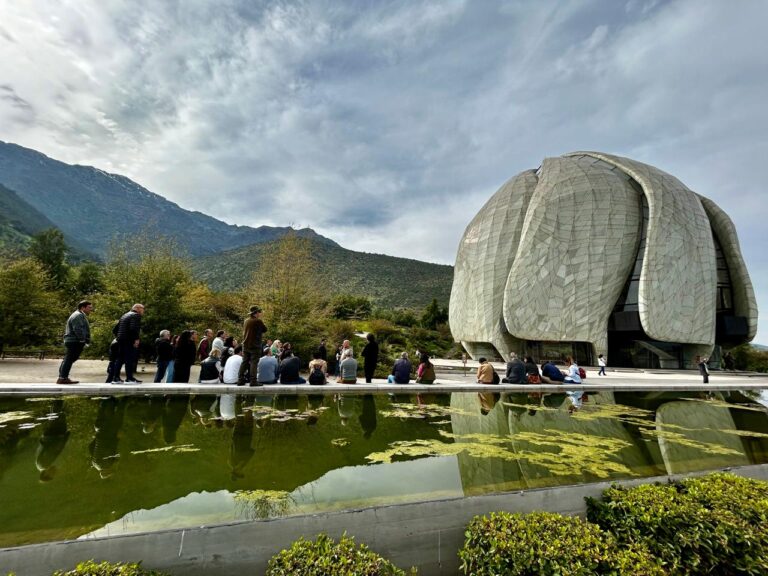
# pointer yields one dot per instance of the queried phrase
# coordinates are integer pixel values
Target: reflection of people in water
(346, 407)
(487, 401)
(103, 447)
(151, 412)
(204, 406)
(241, 450)
(52, 441)
(228, 407)
(10, 434)
(173, 414)
(367, 416)
(314, 402)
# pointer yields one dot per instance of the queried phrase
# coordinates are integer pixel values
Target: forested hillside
(388, 281)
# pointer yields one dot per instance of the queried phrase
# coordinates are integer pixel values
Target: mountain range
(92, 207)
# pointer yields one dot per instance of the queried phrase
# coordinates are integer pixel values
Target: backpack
(427, 375)
(582, 372)
(316, 377)
(496, 378)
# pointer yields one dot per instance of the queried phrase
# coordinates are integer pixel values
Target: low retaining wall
(427, 535)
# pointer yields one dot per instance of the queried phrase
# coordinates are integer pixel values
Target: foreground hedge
(91, 568)
(543, 543)
(710, 525)
(325, 557)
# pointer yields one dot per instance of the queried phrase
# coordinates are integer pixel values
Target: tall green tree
(89, 279)
(149, 270)
(434, 315)
(31, 313)
(283, 285)
(49, 248)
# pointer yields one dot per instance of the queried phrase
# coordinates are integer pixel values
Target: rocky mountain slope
(92, 206)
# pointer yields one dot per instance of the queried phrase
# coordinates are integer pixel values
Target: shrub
(694, 526)
(545, 543)
(744, 497)
(91, 568)
(383, 329)
(326, 557)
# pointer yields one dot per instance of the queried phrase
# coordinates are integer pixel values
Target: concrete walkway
(36, 377)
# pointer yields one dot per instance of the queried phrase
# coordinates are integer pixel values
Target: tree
(49, 248)
(30, 313)
(149, 270)
(350, 307)
(434, 315)
(89, 279)
(282, 284)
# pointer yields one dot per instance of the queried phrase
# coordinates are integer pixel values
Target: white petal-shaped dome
(595, 248)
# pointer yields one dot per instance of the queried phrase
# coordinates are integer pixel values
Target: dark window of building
(629, 299)
(724, 286)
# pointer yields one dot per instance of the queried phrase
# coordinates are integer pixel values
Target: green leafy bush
(326, 557)
(744, 497)
(697, 526)
(544, 543)
(91, 568)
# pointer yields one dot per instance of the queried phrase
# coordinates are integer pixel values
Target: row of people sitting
(527, 372)
(287, 370)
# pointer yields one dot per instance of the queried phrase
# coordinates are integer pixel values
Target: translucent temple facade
(598, 254)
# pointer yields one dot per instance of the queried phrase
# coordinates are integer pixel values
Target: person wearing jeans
(164, 351)
(128, 332)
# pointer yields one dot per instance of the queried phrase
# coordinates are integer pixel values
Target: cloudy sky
(387, 125)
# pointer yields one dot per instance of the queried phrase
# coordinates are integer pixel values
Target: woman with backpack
(486, 373)
(425, 373)
(318, 370)
(210, 368)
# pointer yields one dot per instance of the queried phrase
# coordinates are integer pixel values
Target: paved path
(37, 377)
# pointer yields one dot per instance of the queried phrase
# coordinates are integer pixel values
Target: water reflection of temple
(613, 436)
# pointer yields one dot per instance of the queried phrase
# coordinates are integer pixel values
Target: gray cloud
(387, 125)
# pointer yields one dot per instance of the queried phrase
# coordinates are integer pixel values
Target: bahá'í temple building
(598, 254)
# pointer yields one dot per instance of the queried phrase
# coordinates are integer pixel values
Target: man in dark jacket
(289, 369)
(77, 335)
(515, 371)
(253, 332)
(550, 373)
(128, 334)
(164, 351)
(401, 371)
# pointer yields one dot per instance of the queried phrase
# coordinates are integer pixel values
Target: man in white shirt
(218, 342)
(232, 367)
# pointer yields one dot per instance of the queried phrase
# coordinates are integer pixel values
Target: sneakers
(133, 381)
(117, 382)
(66, 381)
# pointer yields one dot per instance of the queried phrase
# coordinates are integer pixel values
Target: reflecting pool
(77, 467)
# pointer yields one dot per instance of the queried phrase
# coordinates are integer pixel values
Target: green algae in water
(559, 453)
(405, 410)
